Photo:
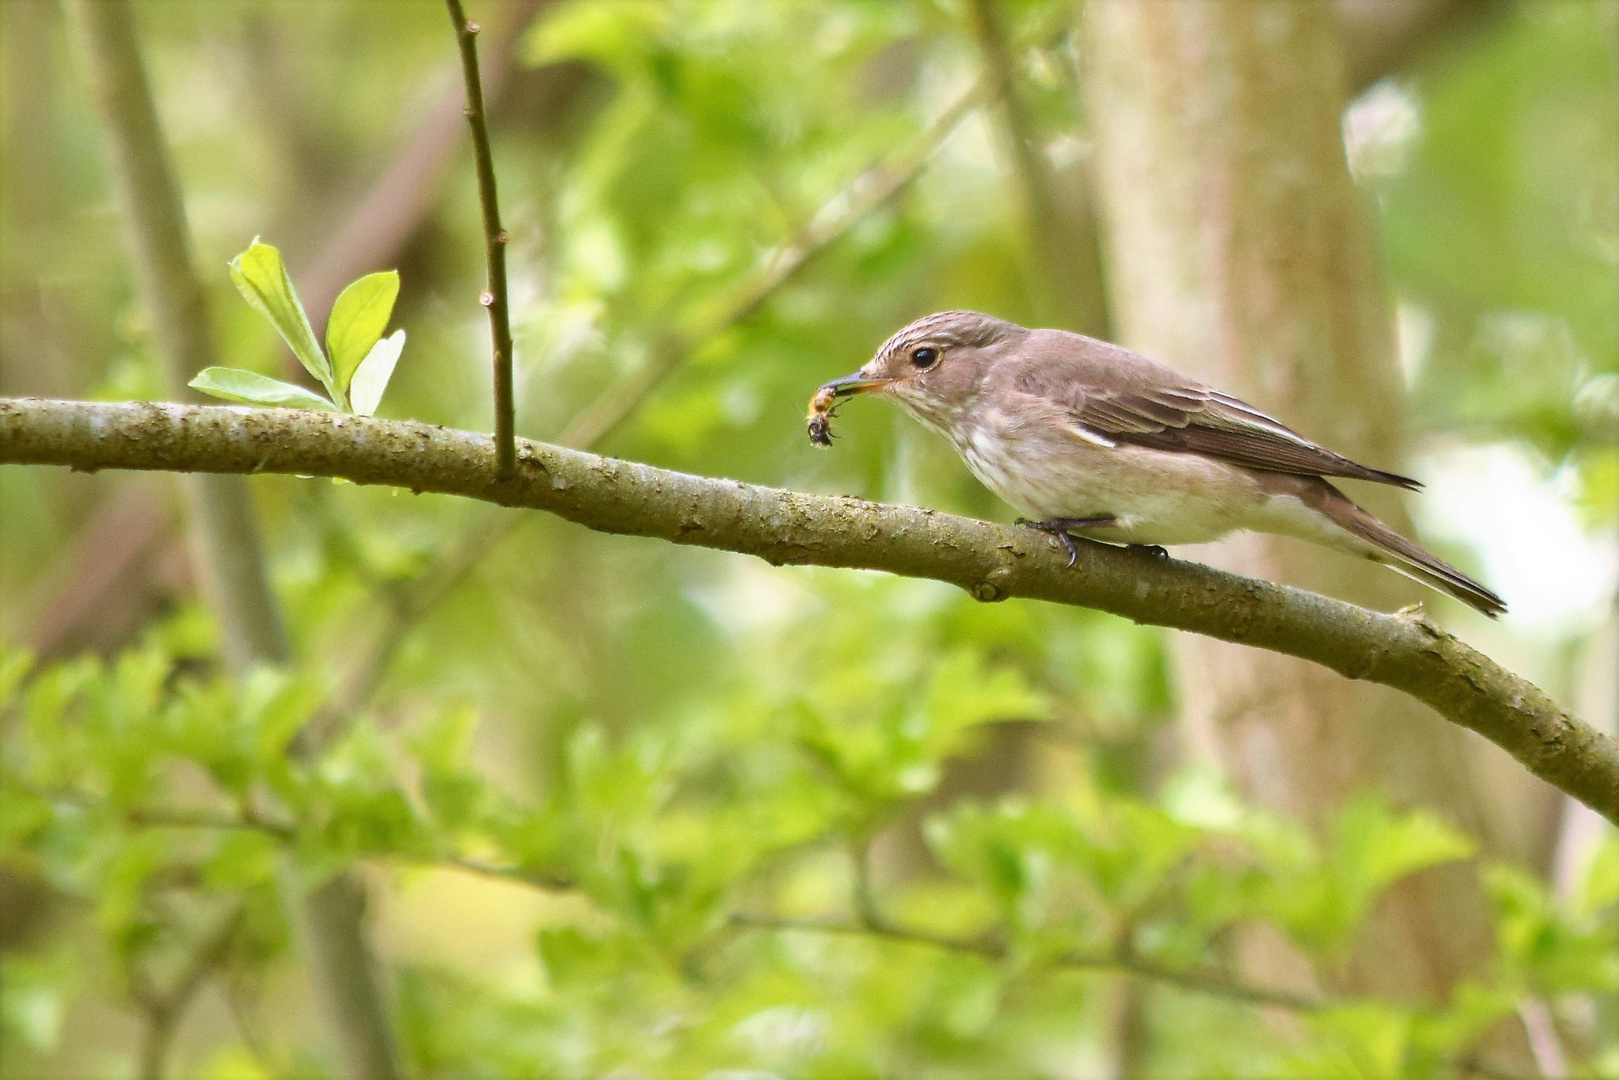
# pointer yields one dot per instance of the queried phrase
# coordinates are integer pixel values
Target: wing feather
(1198, 420)
(1202, 421)
(1112, 395)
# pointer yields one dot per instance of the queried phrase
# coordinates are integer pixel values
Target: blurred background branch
(163, 1009)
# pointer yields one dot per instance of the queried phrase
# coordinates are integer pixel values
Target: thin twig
(868, 191)
(865, 896)
(406, 607)
(1540, 1028)
(519, 875)
(495, 239)
(372, 233)
(162, 1011)
(167, 817)
(174, 817)
(1209, 983)
(161, 817)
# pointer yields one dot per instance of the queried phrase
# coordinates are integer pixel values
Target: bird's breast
(1046, 471)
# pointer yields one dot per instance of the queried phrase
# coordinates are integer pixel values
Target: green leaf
(261, 277)
(1375, 847)
(615, 35)
(36, 998)
(571, 956)
(1599, 885)
(14, 664)
(371, 377)
(240, 859)
(233, 1063)
(234, 384)
(965, 692)
(359, 317)
(1363, 1038)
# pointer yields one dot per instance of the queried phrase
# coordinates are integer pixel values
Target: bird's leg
(1060, 528)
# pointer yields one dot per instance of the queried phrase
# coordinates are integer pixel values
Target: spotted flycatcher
(1095, 441)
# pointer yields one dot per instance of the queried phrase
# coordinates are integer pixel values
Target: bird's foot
(1060, 528)
(1155, 550)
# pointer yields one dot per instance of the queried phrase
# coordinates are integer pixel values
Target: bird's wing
(1197, 419)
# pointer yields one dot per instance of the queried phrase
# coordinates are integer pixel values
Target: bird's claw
(1068, 544)
(1058, 528)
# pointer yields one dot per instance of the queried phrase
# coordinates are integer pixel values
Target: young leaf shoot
(235, 384)
(371, 377)
(261, 277)
(358, 319)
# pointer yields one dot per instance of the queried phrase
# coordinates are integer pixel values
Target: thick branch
(1404, 651)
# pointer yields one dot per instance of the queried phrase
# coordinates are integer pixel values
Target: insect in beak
(821, 410)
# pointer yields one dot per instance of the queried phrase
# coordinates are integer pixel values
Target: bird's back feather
(1123, 397)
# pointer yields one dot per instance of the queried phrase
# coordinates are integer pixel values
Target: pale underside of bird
(1092, 440)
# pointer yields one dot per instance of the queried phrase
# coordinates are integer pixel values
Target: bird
(1091, 440)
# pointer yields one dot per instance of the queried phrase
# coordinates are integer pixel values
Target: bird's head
(935, 366)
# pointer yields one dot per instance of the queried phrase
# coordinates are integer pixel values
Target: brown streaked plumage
(1101, 442)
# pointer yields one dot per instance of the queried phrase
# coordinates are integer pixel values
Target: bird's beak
(853, 384)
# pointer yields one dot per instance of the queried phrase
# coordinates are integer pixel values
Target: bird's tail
(1395, 551)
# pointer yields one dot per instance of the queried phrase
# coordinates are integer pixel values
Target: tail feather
(1395, 551)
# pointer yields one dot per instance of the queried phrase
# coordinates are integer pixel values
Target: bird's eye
(925, 357)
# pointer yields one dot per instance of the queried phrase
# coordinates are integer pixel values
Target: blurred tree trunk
(1060, 213)
(1065, 279)
(222, 521)
(1239, 251)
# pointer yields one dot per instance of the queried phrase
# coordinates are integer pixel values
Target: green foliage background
(635, 810)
